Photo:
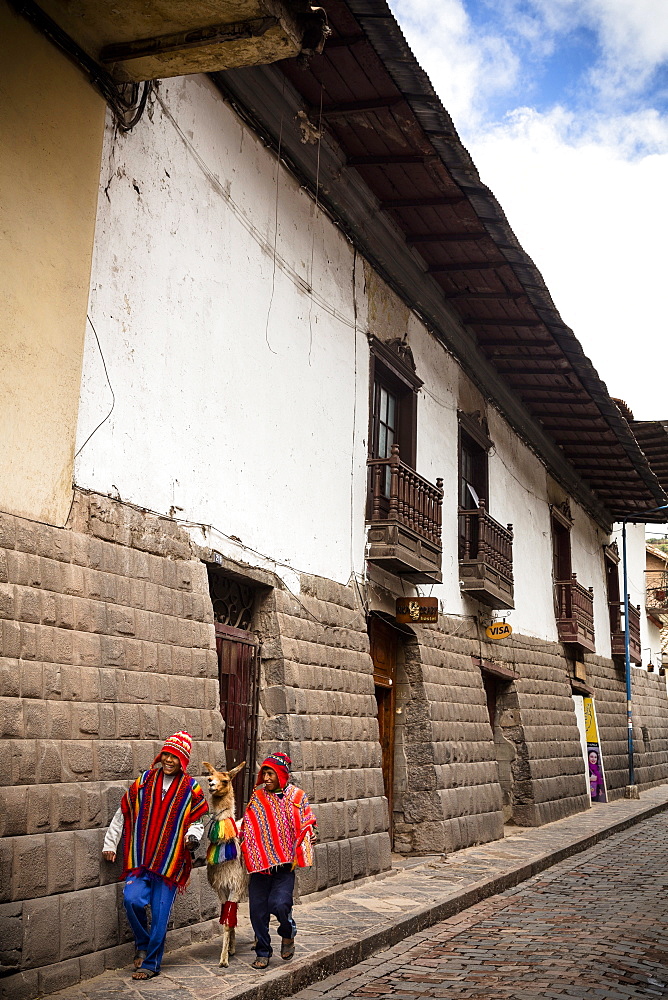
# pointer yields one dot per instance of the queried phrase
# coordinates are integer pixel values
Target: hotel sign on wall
(417, 610)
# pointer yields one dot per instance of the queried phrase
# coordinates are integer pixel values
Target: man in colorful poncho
(278, 831)
(160, 818)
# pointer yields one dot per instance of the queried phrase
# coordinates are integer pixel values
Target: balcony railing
(404, 520)
(616, 609)
(656, 583)
(486, 558)
(575, 613)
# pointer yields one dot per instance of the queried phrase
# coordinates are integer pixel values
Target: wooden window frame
(395, 375)
(561, 525)
(473, 437)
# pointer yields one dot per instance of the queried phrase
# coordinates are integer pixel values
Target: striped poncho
(154, 828)
(277, 829)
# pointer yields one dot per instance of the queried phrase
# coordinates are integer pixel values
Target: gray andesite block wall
(108, 646)
(650, 728)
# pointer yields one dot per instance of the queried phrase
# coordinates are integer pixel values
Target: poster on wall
(597, 788)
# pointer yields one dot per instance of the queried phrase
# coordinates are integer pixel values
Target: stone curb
(349, 952)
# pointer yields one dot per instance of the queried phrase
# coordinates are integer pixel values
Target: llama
(224, 866)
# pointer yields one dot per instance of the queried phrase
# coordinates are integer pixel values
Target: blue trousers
(140, 892)
(271, 892)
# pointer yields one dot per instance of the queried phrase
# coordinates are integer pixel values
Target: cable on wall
(300, 282)
(273, 263)
(315, 220)
(111, 390)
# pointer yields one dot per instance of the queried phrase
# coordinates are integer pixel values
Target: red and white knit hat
(280, 763)
(180, 744)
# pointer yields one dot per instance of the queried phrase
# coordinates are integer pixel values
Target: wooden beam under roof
(473, 265)
(344, 41)
(500, 321)
(484, 296)
(565, 421)
(436, 201)
(562, 367)
(389, 159)
(502, 342)
(356, 107)
(465, 236)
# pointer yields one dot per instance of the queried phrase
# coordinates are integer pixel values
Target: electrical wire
(315, 220)
(111, 389)
(250, 228)
(353, 575)
(273, 268)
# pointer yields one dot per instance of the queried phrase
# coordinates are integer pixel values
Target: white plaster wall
(236, 395)
(587, 541)
(240, 398)
(518, 495)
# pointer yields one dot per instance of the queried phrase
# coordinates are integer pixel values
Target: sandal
(287, 948)
(143, 974)
(138, 959)
(261, 962)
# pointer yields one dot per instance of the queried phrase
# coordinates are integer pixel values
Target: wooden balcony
(404, 520)
(486, 558)
(656, 596)
(616, 610)
(575, 613)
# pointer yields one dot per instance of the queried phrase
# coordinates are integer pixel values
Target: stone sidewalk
(340, 927)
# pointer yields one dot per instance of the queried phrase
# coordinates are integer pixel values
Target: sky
(563, 105)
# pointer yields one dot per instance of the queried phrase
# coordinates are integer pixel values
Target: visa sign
(498, 630)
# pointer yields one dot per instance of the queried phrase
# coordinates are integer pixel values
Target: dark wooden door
(238, 679)
(383, 644)
(490, 685)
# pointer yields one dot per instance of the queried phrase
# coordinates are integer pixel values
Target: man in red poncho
(160, 820)
(279, 830)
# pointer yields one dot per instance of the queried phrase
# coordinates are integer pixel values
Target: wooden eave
(652, 436)
(392, 171)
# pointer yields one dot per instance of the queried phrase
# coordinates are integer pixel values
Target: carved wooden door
(238, 679)
(383, 644)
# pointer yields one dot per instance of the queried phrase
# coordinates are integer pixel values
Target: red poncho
(155, 827)
(277, 829)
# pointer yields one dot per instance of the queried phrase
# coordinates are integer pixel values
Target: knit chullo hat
(180, 744)
(278, 762)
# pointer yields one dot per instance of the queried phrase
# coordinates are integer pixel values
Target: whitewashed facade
(241, 399)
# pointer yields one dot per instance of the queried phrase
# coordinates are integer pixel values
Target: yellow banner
(590, 721)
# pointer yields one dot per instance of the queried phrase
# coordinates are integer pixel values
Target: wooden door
(490, 685)
(383, 644)
(561, 550)
(238, 679)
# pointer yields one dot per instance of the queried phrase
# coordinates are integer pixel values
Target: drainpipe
(631, 790)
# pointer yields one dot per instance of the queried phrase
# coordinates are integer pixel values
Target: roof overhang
(652, 436)
(363, 123)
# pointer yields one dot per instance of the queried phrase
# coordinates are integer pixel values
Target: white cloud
(593, 221)
(583, 187)
(466, 67)
(632, 38)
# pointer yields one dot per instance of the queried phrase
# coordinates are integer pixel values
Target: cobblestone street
(592, 926)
